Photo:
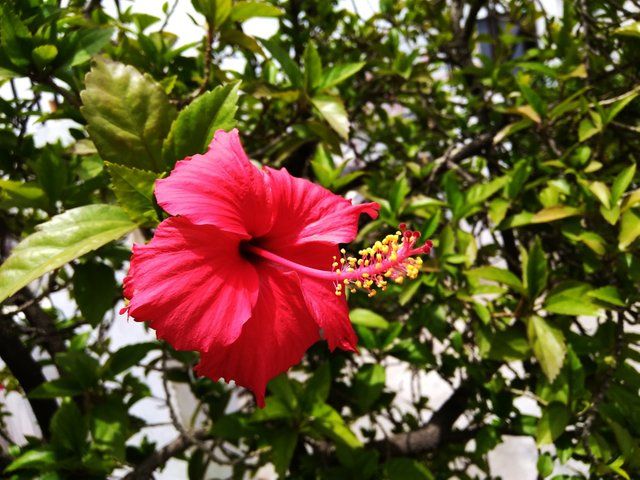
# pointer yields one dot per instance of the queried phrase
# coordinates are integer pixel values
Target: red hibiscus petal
(276, 336)
(221, 188)
(305, 212)
(192, 285)
(330, 312)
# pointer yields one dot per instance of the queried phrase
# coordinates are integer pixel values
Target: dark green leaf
(195, 126)
(128, 113)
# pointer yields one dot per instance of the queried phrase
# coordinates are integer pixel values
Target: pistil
(393, 258)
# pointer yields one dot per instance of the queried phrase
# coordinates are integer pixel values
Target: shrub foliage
(505, 134)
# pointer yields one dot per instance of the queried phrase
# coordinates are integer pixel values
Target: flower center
(389, 259)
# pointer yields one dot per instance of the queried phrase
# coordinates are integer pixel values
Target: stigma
(391, 259)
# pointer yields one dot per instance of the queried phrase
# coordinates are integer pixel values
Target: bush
(506, 135)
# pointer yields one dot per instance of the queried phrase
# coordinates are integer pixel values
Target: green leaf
(90, 42)
(95, 288)
(570, 298)
(406, 469)
(16, 38)
(195, 126)
(532, 98)
(511, 129)
(630, 30)
(552, 424)
(629, 229)
(134, 191)
(63, 238)
(332, 110)
(282, 388)
(61, 387)
(68, 430)
(339, 73)
(327, 422)
(283, 443)
(587, 129)
(398, 193)
(519, 176)
(480, 192)
(602, 193)
(318, 386)
(611, 215)
(622, 182)
(44, 55)
(536, 271)
(245, 10)
(128, 115)
(613, 111)
(499, 275)
(80, 367)
(312, 67)
(552, 214)
(215, 11)
(367, 318)
(126, 357)
(498, 210)
(368, 385)
(37, 459)
(288, 65)
(609, 295)
(548, 345)
(21, 195)
(109, 423)
(506, 346)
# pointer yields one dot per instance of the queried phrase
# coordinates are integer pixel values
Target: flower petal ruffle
(306, 213)
(221, 187)
(276, 336)
(192, 285)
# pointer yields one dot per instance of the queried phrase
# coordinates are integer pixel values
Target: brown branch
(144, 470)
(454, 155)
(26, 370)
(435, 432)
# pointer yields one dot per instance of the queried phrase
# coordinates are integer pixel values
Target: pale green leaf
(499, 275)
(552, 214)
(332, 110)
(339, 73)
(608, 294)
(602, 193)
(367, 318)
(245, 10)
(622, 182)
(570, 298)
(548, 345)
(63, 238)
(629, 229)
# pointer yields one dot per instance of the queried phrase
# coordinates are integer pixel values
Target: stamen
(389, 259)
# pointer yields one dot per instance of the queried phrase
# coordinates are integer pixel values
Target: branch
(453, 156)
(435, 432)
(26, 370)
(144, 470)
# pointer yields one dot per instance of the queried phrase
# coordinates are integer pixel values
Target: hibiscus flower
(247, 269)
